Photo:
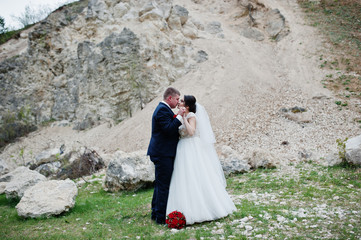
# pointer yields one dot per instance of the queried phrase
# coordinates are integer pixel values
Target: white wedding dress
(197, 187)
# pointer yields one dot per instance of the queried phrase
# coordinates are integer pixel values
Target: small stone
(248, 227)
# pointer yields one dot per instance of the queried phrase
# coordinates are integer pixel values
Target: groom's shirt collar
(166, 104)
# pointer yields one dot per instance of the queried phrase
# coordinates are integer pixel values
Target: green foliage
(32, 15)
(15, 124)
(341, 146)
(7, 35)
(339, 21)
(3, 29)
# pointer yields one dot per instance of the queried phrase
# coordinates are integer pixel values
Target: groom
(162, 149)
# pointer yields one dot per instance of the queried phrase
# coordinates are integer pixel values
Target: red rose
(176, 220)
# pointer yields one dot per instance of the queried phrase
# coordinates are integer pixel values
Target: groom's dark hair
(190, 101)
(170, 92)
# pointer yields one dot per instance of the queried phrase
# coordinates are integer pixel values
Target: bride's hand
(181, 111)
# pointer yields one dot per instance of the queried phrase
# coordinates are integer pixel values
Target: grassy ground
(339, 21)
(298, 202)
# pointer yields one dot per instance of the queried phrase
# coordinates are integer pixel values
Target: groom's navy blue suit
(162, 150)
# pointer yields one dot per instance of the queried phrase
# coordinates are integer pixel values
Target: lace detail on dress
(182, 129)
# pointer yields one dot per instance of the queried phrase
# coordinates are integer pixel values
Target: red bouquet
(176, 220)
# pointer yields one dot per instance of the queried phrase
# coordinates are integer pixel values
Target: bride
(197, 187)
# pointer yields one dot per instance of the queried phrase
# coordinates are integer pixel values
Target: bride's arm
(190, 125)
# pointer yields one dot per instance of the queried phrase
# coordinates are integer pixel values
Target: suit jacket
(165, 136)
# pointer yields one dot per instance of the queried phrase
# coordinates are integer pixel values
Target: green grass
(339, 23)
(306, 201)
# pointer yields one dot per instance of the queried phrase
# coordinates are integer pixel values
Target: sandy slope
(243, 85)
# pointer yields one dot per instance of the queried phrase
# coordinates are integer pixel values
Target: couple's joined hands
(181, 111)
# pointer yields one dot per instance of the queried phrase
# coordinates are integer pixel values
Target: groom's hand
(181, 111)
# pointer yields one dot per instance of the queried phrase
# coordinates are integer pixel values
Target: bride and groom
(188, 175)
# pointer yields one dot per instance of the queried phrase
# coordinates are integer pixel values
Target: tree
(3, 29)
(32, 15)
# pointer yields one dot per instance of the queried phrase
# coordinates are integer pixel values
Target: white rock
(129, 171)
(21, 179)
(248, 227)
(260, 158)
(353, 150)
(47, 199)
(232, 162)
(281, 219)
(219, 231)
(48, 155)
(331, 159)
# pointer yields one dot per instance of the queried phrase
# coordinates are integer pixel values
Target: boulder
(232, 162)
(50, 161)
(332, 159)
(48, 198)
(262, 159)
(252, 33)
(19, 181)
(49, 169)
(86, 164)
(353, 150)
(129, 171)
(275, 23)
(48, 155)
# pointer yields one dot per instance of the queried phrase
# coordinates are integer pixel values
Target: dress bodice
(182, 129)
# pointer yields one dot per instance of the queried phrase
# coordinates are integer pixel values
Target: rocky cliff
(84, 63)
(103, 59)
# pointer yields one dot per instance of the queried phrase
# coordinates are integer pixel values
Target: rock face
(85, 63)
(19, 181)
(47, 199)
(129, 171)
(79, 70)
(353, 150)
(261, 22)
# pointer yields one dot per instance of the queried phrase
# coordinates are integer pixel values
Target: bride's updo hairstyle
(190, 101)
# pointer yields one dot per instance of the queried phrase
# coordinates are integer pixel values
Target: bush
(15, 125)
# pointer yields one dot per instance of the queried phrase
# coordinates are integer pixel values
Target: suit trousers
(163, 175)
